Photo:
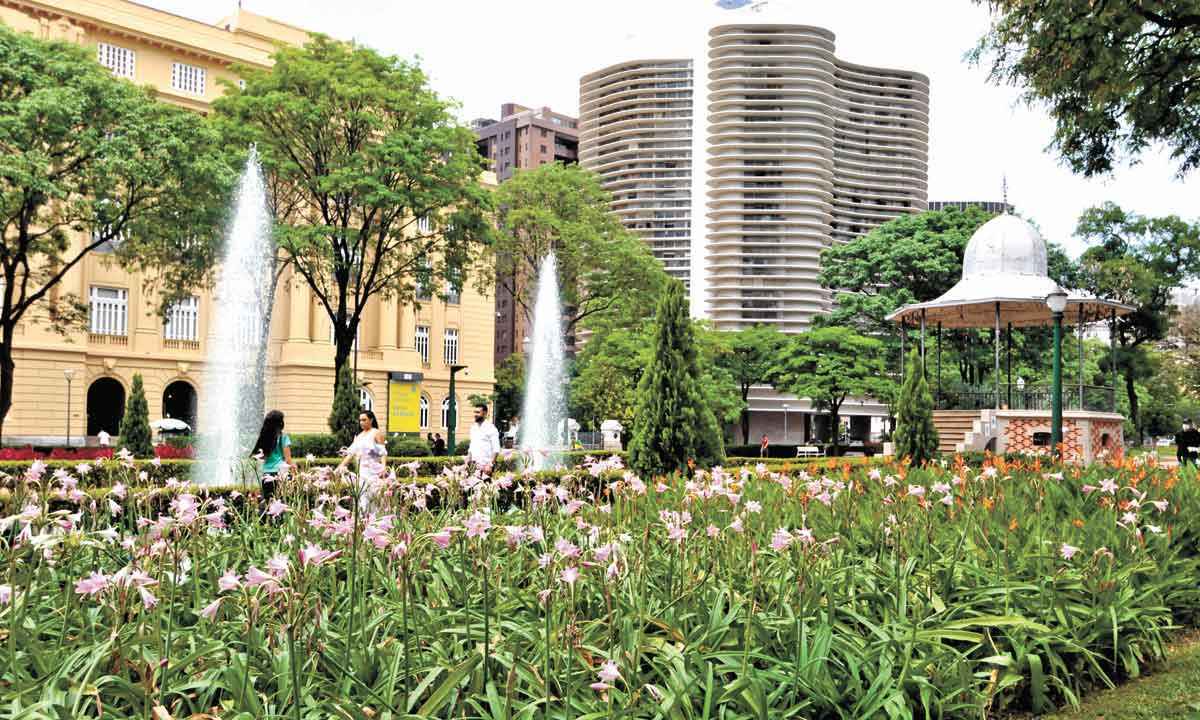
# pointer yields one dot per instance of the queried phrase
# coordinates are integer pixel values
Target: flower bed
(847, 591)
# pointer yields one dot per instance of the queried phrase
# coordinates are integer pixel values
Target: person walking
(370, 450)
(485, 442)
(274, 448)
(764, 446)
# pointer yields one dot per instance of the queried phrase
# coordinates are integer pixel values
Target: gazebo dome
(1005, 245)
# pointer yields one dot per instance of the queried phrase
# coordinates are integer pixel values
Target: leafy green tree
(92, 163)
(510, 388)
(1117, 77)
(828, 365)
(673, 424)
(376, 184)
(916, 437)
(343, 417)
(135, 425)
(604, 270)
(749, 354)
(1139, 261)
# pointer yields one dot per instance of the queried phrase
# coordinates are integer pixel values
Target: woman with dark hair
(274, 448)
(370, 450)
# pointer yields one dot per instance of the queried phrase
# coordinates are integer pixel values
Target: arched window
(365, 401)
(446, 412)
(424, 412)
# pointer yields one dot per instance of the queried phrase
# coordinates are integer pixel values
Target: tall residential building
(522, 139)
(526, 138)
(403, 353)
(788, 149)
(636, 133)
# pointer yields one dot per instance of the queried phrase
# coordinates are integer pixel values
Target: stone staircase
(953, 427)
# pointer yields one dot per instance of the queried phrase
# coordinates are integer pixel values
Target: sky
(483, 53)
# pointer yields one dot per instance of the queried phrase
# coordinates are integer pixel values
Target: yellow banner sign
(404, 406)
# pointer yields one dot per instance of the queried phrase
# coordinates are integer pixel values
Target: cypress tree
(916, 435)
(135, 426)
(343, 418)
(672, 424)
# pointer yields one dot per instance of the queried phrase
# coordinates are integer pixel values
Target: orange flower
(1012, 525)
(988, 503)
(1077, 523)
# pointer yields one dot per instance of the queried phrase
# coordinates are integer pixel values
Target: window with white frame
(108, 311)
(450, 346)
(446, 412)
(454, 287)
(424, 224)
(333, 335)
(424, 412)
(421, 342)
(121, 60)
(365, 401)
(187, 78)
(183, 320)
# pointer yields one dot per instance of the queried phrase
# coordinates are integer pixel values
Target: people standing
(1186, 444)
(370, 450)
(274, 448)
(764, 446)
(439, 444)
(514, 432)
(485, 442)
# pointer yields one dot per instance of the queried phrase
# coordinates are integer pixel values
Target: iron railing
(1013, 396)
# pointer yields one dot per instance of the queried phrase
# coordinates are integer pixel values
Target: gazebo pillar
(922, 342)
(903, 359)
(1081, 407)
(939, 365)
(1112, 358)
(1008, 361)
(996, 345)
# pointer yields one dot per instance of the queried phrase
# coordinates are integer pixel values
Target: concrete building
(522, 138)
(401, 350)
(744, 156)
(992, 206)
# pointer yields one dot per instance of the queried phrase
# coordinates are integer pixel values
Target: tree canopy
(1142, 262)
(604, 270)
(1117, 77)
(376, 184)
(89, 162)
(828, 365)
(748, 355)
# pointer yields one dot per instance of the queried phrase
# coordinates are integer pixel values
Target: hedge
(788, 450)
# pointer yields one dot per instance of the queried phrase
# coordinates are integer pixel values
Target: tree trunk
(745, 416)
(7, 373)
(1131, 392)
(345, 345)
(835, 429)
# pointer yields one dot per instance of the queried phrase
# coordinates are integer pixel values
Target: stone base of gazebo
(1085, 433)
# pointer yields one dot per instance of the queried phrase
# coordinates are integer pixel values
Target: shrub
(407, 446)
(322, 445)
(135, 426)
(343, 418)
(916, 436)
(167, 451)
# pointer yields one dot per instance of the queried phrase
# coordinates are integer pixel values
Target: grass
(1173, 693)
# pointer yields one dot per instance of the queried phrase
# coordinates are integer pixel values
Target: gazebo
(1005, 285)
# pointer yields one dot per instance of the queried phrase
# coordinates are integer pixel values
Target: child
(276, 449)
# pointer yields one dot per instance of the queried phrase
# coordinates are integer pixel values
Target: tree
(1117, 77)
(510, 387)
(343, 417)
(1141, 262)
(673, 424)
(749, 355)
(603, 268)
(381, 181)
(916, 437)
(135, 426)
(828, 365)
(89, 162)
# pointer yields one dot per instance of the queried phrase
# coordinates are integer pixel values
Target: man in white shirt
(485, 441)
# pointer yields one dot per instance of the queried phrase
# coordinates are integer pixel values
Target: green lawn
(1172, 693)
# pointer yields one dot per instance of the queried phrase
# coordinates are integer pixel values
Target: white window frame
(188, 78)
(122, 61)
(424, 224)
(450, 342)
(365, 400)
(108, 314)
(424, 413)
(446, 411)
(183, 320)
(333, 335)
(421, 342)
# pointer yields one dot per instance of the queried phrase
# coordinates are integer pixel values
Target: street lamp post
(1057, 302)
(69, 374)
(452, 411)
(785, 423)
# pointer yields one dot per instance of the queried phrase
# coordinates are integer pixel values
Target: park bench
(807, 451)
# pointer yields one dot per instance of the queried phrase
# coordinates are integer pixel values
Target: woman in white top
(370, 449)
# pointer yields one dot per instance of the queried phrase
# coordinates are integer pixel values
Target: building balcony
(193, 345)
(104, 339)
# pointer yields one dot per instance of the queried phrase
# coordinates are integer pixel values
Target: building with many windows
(184, 60)
(992, 206)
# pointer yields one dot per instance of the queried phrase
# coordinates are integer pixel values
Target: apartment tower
(788, 148)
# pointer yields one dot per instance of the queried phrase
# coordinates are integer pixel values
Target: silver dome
(1005, 245)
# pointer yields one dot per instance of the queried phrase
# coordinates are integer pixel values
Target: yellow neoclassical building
(402, 350)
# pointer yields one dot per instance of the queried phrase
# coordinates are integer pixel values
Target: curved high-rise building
(790, 149)
(635, 131)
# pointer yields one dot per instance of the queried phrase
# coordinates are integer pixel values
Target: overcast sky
(483, 53)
